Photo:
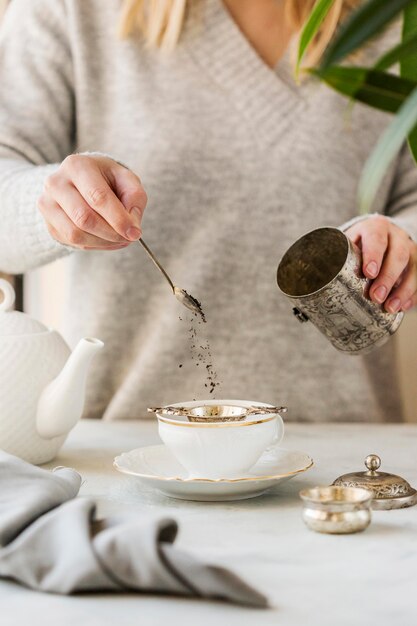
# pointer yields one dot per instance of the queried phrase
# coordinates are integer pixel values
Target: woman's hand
(390, 259)
(93, 203)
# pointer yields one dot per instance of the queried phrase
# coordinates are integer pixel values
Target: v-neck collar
(266, 97)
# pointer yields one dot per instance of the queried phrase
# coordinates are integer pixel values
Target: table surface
(310, 578)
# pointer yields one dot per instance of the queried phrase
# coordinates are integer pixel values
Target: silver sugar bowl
(336, 510)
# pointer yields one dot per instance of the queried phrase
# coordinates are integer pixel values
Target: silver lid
(390, 491)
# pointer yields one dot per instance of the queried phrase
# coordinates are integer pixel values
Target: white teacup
(220, 449)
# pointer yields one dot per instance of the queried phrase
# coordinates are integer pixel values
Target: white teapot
(42, 384)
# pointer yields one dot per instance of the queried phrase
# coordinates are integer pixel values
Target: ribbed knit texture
(238, 162)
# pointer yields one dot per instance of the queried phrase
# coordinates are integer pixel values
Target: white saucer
(155, 467)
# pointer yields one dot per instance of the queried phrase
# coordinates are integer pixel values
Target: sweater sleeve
(36, 126)
(401, 207)
(402, 201)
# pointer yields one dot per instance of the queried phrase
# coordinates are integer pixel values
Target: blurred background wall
(44, 298)
(407, 352)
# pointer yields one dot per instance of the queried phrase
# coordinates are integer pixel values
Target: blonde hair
(161, 21)
(3, 5)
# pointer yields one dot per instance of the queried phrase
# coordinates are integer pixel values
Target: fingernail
(394, 305)
(380, 294)
(133, 233)
(372, 269)
(407, 306)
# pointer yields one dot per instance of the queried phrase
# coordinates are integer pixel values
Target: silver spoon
(181, 295)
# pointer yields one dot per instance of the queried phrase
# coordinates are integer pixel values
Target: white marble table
(311, 579)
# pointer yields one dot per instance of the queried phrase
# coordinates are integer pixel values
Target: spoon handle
(157, 263)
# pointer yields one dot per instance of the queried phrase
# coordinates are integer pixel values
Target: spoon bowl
(181, 295)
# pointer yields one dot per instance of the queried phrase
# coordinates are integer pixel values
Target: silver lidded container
(322, 275)
(389, 490)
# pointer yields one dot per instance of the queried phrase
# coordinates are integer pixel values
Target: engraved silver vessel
(322, 275)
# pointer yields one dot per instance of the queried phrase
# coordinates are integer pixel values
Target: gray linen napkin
(51, 542)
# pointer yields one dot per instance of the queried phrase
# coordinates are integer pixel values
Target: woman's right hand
(93, 203)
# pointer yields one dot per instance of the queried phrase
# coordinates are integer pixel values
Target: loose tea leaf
(197, 305)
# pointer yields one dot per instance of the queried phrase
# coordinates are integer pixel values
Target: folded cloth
(51, 541)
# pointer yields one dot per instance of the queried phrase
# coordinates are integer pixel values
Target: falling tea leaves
(200, 349)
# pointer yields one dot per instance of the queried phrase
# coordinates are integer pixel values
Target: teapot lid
(14, 322)
(390, 491)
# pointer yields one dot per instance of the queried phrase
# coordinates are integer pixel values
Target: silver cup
(322, 275)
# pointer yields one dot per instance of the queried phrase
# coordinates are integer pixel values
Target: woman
(237, 161)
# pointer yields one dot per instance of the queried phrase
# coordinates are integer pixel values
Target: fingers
(371, 235)
(83, 216)
(65, 231)
(87, 177)
(396, 260)
(129, 190)
(92, 202)
(387, 254)
(374, 246)
(403, 297)
(410, 304)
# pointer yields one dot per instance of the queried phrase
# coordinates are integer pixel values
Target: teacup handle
(279, 422)
(279, 430)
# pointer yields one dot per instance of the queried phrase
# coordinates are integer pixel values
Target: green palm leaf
(311, 27)
(364, 23)
(409, 63)
(379, 90)
(386, 149)
(399, 54)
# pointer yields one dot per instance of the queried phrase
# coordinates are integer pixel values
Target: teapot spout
(61, 403)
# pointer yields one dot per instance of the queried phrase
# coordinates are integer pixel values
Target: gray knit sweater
(237, 161)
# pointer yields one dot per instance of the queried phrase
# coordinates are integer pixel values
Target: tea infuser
(216, 413)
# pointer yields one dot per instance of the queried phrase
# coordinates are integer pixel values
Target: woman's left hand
(390, 259)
